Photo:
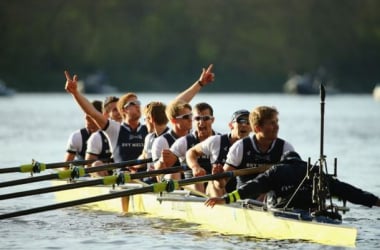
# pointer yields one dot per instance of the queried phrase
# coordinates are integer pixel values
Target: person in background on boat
(203, 118)
(98, 145)
(284, 179)
(77, 142)
(110, 110)
(216, 148)
(263, 147)
(180, 117)
(156, 121)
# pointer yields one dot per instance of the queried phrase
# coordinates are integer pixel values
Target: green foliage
(162, 45)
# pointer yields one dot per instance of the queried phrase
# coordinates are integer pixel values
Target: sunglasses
(110, 99)
(185, 116)
(203, 118)
(242, 121)
(136, 102)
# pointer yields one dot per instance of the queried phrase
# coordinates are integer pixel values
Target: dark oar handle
(69, 173)
(28, 180)
(157, 187)
(246, 171)
(78, 202)
(52, 189)
(108, 180)
(36, 167)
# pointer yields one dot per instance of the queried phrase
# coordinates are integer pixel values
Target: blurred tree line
(147, 46)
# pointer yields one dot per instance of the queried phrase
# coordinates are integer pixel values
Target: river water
(36, 126)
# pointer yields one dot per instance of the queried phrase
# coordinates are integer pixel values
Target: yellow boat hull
(226, 219)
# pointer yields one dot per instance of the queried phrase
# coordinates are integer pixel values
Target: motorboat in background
(300, 84)
(96, 84)
(308, 83)
(6, 91)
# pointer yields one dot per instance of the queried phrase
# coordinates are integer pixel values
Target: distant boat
(300, 84)
(96, 84)
(5, 91)
(376, 92)
(307, 84)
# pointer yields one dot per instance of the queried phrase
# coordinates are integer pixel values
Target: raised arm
(205, 78)
(86, 106)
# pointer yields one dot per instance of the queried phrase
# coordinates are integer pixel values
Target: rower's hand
(99, 174)
(211, 202)
(133, 169)
(168, 158)
(71, 83)
(217, 168)
(207, 75)
(198, 171)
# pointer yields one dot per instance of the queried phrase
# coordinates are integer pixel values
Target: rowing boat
(237, 219)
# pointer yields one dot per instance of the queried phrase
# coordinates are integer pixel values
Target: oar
(108, 180)
(76, 172)
(36, 167)
(155, 188)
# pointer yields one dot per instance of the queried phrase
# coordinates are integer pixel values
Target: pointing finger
(209, 69)
(67, 74)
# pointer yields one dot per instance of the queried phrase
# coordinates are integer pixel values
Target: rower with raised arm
(156, 117)
(127, 138)
(179, 114)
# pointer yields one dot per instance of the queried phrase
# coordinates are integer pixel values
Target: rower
(216, 148)
(263, 147)
(283, 180)
(203, 118)
(98, 145)
(77, 142)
